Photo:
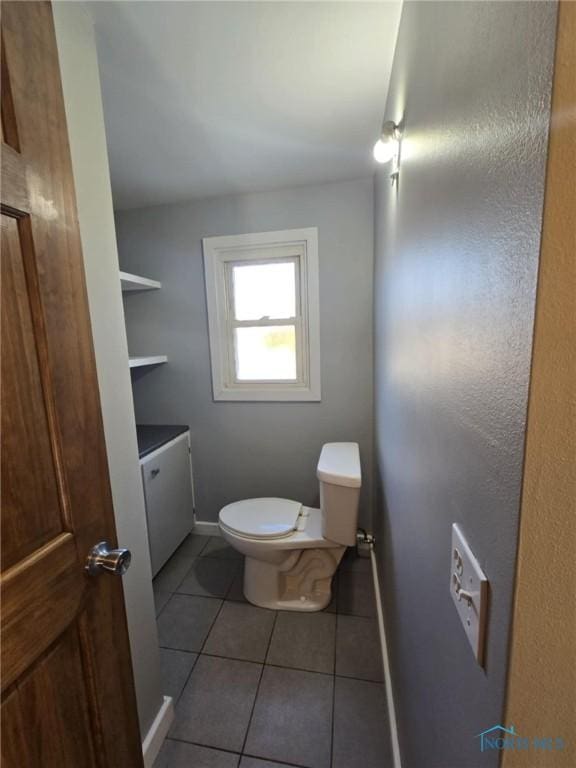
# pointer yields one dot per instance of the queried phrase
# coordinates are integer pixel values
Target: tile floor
(255, 688)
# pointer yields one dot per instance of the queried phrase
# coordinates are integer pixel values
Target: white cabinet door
(167, 481)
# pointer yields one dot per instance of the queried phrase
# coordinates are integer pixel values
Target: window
(263, 315)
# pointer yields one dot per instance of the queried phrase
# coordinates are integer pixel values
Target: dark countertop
(153, 436)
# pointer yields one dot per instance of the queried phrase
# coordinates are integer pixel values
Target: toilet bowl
(292, 551)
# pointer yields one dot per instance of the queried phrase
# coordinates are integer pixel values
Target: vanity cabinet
(168, 490)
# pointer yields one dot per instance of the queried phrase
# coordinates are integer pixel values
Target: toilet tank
(340, 480)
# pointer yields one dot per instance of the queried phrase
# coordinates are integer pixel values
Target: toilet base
(301, 582)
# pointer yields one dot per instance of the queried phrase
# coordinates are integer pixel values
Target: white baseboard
(203, 528)
(392, 722)
(158, 732)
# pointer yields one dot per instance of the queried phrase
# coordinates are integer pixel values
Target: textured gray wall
(255, 449)
(456, 267)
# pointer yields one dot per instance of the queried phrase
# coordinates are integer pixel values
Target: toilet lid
(261, 518)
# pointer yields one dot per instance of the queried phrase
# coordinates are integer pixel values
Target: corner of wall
(83, 104)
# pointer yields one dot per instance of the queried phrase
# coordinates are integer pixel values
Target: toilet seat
(266, 518)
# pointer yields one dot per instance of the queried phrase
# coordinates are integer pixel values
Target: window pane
(266, 353)
(264, 290)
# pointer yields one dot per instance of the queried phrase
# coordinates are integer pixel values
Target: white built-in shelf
(136, 283)
(138, 362)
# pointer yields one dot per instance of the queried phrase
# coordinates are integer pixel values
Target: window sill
(288, 395)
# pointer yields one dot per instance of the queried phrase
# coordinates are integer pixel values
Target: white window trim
(218, 253)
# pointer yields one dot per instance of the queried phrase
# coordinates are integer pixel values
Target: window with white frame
(263, 315)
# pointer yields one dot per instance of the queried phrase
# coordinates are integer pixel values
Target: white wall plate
(469, 590)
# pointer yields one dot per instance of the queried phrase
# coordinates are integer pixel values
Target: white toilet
(292, 551)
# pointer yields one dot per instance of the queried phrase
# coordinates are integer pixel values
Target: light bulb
(384, 150)
(388, 145)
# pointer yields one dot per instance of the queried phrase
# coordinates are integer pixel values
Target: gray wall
(254, 449)
(83, 102)
(456, 267)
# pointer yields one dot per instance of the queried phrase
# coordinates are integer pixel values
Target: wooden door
(67, 688)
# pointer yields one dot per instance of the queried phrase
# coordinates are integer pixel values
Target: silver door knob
(102, 558)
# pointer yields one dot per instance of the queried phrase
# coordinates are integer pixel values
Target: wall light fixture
(387, 148)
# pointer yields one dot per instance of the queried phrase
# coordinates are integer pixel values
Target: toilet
(292, 551)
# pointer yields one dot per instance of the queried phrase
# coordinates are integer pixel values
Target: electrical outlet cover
(469, 590)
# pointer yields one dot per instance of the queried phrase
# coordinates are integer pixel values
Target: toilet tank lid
(339, 464)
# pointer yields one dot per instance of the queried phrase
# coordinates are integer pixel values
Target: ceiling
(203, 99)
